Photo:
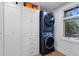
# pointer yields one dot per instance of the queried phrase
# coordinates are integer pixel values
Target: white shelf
(71, 17)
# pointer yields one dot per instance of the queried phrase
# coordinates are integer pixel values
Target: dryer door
(49, 19)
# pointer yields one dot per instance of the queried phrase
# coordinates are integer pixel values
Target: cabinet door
(35, 32)
(27, 30)
(30, 31)
(35, 22)
(27, 17)
(34, 45)
(26, 46)
(12, 30)
(1, 28)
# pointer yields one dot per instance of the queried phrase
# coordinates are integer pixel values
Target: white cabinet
(1, 29)
(35, 32)
(12, 30)
(26, 30)
(27, 17)
(19, 30)
(30, 32)
(35, 22)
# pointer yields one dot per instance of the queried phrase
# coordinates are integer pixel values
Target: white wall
(66, 47)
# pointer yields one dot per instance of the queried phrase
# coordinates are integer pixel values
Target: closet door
(35, 32)
(27, 16)
(30, 32)
(12, 30)
(35, 22)
(27, 33)
(1, 28)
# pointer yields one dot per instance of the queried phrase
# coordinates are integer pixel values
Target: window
(71, 12)
(72, 28)
(71, 23)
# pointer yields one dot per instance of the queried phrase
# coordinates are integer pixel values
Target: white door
(30, 32)
(35, 32)
(1, 28)
(27, 16)
(27, 27)
(12, 30)
(35, 22)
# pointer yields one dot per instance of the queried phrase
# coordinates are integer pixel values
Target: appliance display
(46, 32)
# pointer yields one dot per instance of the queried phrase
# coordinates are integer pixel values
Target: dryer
(46, 32)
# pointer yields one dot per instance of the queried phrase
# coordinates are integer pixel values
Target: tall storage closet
(20, 26)
(30, 32)
(12, 29)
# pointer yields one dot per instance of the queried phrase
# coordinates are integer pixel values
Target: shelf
(71, 17)
(29, 5)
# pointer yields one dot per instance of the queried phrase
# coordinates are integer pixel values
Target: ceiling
(49, 5)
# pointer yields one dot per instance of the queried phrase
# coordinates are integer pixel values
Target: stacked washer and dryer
(46, 32)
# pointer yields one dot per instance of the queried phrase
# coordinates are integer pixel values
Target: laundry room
(39, 28)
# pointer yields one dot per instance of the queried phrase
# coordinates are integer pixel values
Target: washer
(46, 32)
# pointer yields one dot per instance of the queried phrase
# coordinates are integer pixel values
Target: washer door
(49, 42)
